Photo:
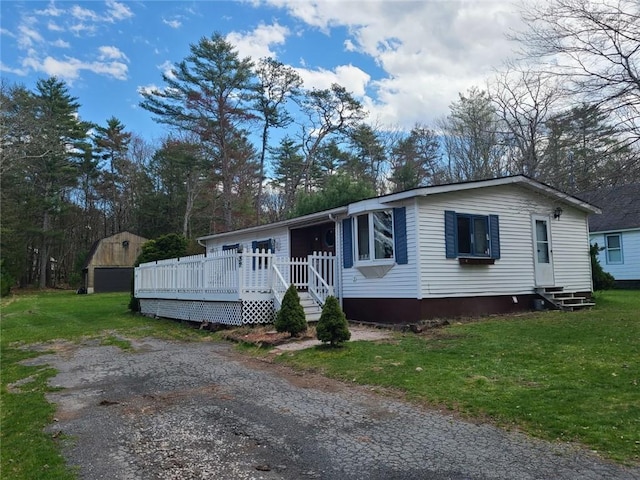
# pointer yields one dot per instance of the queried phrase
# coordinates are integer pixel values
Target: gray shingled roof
(620, 207)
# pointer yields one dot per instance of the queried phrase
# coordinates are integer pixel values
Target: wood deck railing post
(242, 261)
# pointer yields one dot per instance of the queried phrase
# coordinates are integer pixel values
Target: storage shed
(109, 265)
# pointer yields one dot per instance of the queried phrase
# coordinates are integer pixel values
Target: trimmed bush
(332, 326)
(291, 317)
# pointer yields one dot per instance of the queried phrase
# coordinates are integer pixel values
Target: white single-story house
(471, 248)
(617, 232)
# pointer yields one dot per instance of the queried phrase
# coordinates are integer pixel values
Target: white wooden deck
(222, 287)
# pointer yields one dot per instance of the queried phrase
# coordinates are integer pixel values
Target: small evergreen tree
(291, 317)
(332, 326)
(601, 280)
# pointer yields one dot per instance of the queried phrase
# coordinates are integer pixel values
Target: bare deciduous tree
(524, 101)
(594, 46)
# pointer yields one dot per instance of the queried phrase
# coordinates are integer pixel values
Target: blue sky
(406, 61)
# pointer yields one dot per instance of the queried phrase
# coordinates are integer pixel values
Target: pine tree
(332, 326)
(291, 317)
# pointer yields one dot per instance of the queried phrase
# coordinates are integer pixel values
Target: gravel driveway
(174, 410)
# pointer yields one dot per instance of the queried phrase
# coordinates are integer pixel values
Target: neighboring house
(109, 265)
(617, 231)
(469, 248)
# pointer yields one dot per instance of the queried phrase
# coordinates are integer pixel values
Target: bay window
(374, 234)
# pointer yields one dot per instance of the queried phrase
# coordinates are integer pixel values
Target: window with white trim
(613, 247)
(359, 239)
(374, 236)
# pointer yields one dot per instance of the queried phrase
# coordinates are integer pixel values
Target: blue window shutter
(272, 246)
(450, 233)
(400, 235)
(494, 235)
(347, 244)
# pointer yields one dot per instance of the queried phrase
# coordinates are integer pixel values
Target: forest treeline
(246, 143)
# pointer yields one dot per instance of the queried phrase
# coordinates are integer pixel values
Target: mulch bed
(265, 336)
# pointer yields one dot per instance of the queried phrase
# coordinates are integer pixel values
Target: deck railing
(232, 276)
(321, 277)
(279, 287)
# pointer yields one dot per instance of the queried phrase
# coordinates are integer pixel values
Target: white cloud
(167, 69)
(82, 13)
(60, 44)
(172, 23)
(257, 43)
(151, 88)
(82, 28)
(428, 51)
(117, 70)
(8, 33)
(69, 68)
(54, 27)
(28, 35)
(111, 53)
(352, 78)
(118, 11)
(15, 71)
(50, 11)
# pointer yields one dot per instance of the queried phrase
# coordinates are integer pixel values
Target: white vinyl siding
(513, 273)
(630, 242)
(280, 237)
(399, 282)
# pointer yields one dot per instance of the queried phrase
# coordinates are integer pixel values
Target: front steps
(558, 299)
(312, 310)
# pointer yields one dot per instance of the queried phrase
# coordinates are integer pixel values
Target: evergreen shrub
(601, 280)
(291, 317)
(332, 326)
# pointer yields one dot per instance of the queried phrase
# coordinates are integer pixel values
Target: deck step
(564, 300)
(312, 310)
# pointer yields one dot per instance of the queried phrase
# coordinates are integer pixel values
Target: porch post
(242, 260)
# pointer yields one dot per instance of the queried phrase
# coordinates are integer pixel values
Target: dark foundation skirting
(409, 310)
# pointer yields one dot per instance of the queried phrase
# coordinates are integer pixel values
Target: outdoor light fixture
(557, 212)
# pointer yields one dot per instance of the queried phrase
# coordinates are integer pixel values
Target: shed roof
(98, 243)
(620, 208)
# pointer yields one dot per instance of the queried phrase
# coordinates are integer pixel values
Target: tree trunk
(44, 252)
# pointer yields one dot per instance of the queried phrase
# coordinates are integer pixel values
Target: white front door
(542, 252)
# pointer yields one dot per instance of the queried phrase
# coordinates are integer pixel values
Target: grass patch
(42, 318)
(571, 376)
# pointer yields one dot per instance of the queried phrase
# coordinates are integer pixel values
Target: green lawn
(568, 376)
(26, 451)
(571, 376)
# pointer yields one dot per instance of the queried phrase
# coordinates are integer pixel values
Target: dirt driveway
(173, 410)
